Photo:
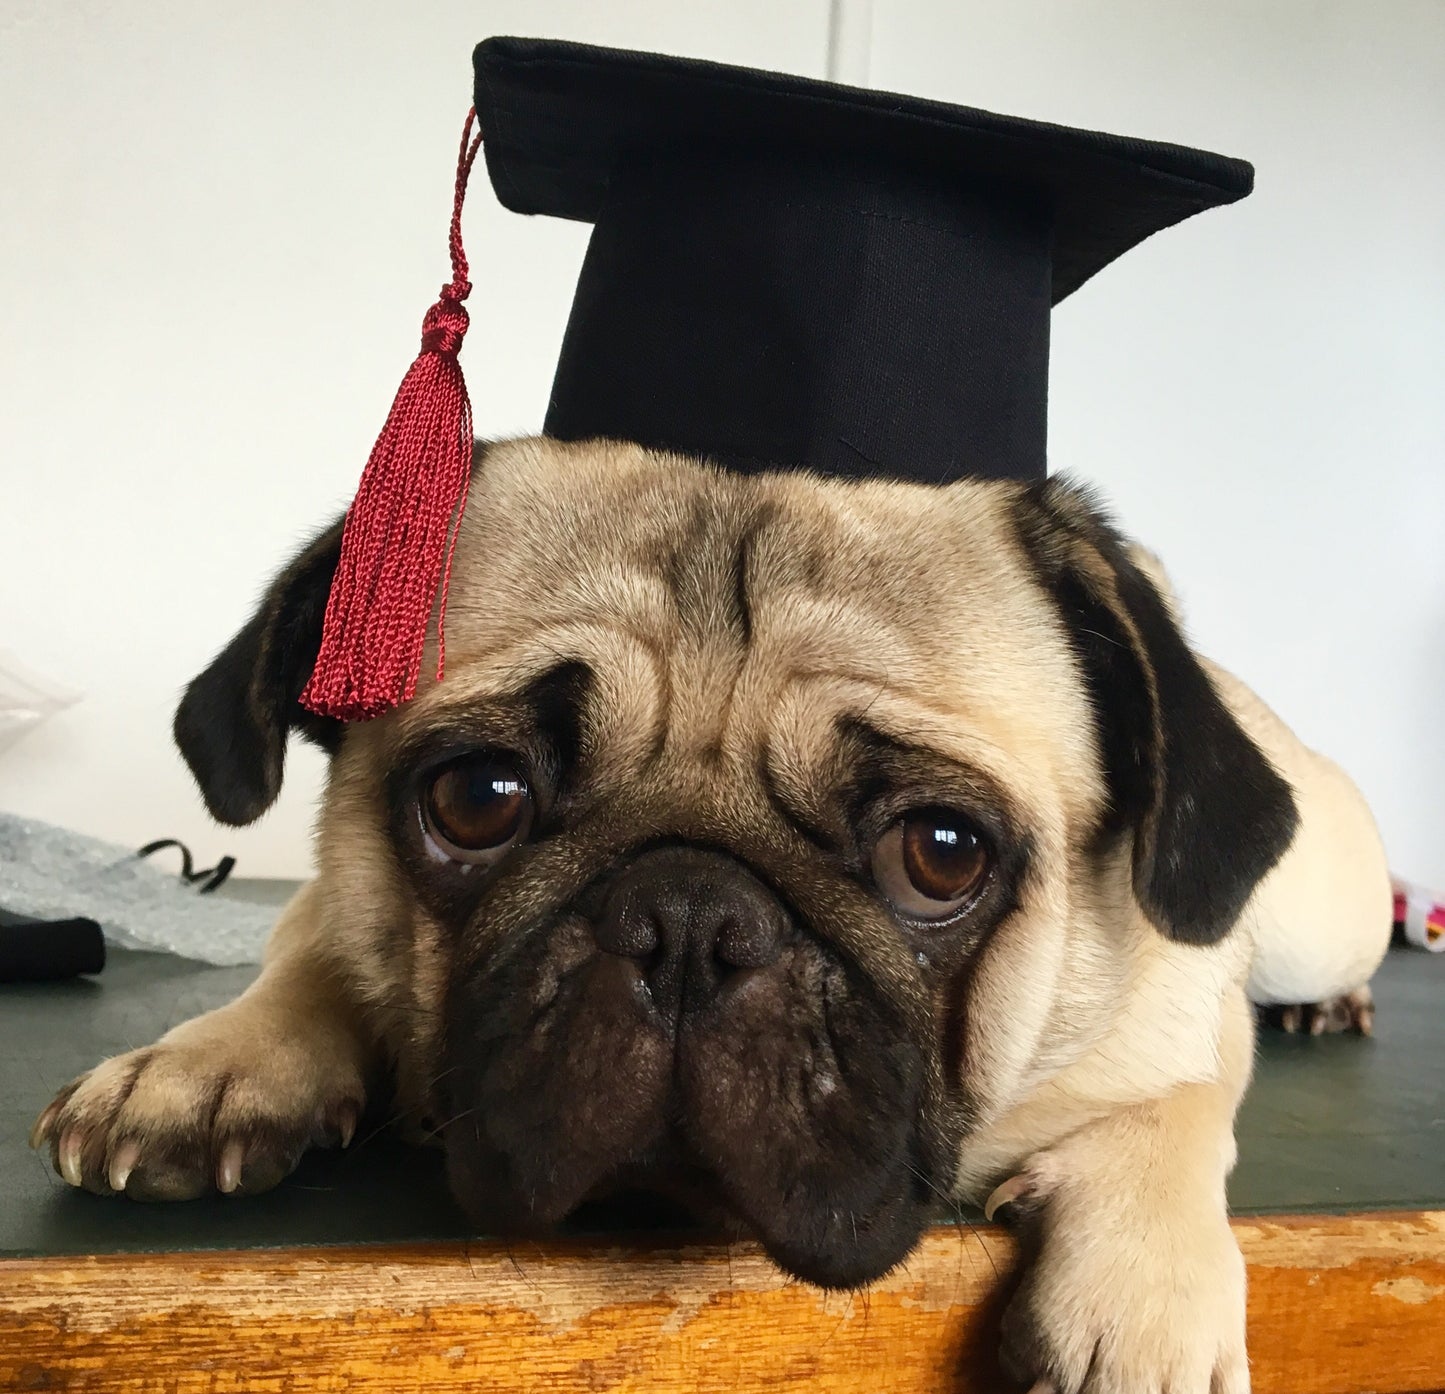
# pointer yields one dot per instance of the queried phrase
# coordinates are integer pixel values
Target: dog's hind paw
(1351, 1011)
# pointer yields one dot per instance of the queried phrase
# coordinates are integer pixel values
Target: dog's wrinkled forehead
(739, 618)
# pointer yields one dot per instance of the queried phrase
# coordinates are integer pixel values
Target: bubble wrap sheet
(53, 873)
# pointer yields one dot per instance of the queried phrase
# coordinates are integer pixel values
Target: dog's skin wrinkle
(1027, 664)
(740, 586)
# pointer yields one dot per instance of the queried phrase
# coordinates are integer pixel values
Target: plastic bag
(27, 699)
(52, 873)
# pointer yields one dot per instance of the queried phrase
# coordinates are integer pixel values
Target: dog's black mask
(676, 1024)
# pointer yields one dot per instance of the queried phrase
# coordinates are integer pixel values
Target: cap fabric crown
(785, 272)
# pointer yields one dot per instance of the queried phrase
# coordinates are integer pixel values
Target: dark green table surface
(1331, 1124)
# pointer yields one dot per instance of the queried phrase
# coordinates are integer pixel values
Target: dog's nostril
(631, 929)
(748, 944)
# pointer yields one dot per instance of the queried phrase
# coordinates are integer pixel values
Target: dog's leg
(230, 1100)
(1137, 1283)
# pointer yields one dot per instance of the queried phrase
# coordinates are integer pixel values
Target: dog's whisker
(474, 1112)
(959, 1220)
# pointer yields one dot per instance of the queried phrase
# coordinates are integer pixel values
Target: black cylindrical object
(37, 951)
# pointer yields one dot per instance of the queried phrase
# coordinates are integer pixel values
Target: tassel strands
(400, 532)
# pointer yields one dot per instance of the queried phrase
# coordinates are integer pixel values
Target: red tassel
(396, 548)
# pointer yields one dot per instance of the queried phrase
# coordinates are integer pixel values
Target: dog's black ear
(233, 722)
(1209, 814)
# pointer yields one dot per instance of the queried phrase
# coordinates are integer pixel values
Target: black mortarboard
(786, 272)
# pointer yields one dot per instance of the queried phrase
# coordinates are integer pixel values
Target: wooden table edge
(1339, 1304)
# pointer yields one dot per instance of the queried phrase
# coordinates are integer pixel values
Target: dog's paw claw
(122, 1164)
(1021, 1196)
(229, 1165)
(67, 1156)
(1003, 1196)
(342, 1123)
(45, 1125)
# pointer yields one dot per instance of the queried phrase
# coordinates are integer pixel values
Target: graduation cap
(782, 274)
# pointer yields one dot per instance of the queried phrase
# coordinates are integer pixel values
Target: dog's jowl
(817, 852)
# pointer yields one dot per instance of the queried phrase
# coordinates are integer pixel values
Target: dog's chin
(814, 1247)
(791, 1102)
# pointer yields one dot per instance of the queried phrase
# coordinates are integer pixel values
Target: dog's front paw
(211, 1106)
(1124, 1296)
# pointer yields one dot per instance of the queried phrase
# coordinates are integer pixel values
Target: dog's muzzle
(677, 1020)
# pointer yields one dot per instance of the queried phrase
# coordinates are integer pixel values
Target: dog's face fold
(732, 786)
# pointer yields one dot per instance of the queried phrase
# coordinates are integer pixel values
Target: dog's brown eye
(930, 863)
(477, 807)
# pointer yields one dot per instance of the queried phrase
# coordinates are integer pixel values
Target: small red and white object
(1420, 916)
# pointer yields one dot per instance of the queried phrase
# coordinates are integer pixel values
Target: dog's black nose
(691, 918)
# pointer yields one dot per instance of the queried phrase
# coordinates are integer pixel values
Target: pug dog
(822, 851)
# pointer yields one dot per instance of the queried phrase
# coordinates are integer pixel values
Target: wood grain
(1338, 1305)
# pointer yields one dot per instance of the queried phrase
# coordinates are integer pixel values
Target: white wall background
(220, 225)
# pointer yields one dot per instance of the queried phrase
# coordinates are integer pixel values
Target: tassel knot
(396, 547)
(446, 322)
